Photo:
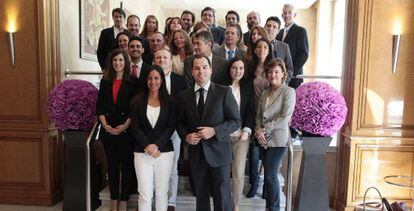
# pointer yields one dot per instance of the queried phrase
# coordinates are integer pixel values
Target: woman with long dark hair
(117, 88)
(242, 89)
(153, 123)
(256, 33)
(262, 55)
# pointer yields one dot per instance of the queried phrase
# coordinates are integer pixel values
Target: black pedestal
(74, 195)
(312, 192)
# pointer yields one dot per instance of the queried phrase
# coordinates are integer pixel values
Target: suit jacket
(220, 112)
(218, 34)
(143, 74)
(144, 134)
(281, 50)
(247, 107)
(105, 44)
(221, 51)
(115, 113)
(219, 67)
(275, 116)
(297, 39)
(246, 38)
(178, 84)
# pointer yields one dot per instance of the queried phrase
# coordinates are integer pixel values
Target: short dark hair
(206, 36)
(275, 19)
(200, 57)
(118, 10)
(189, 12)
(239, 30)
(232, 12)
(134, 16)
(209, 9)
(136, 38)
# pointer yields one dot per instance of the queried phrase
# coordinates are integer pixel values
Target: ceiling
(234, 4)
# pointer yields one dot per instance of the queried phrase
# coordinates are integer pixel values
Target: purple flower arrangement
(72, 104)
(320, 109)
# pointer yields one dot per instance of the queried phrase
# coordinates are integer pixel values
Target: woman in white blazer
(274, 111)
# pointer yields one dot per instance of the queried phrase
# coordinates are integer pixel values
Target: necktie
(200, 104)
(284, 34)
(135, 70)
(231, 55)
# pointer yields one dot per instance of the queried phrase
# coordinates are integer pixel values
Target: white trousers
(172, 192)
(153, 174)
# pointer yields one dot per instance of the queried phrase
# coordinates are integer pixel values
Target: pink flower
(72, 104)
(320, 109)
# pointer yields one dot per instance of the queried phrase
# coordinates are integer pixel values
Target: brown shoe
(171, 208)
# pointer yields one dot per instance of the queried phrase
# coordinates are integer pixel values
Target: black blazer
(178, 84)
(143, 74)
(218, 34)
(220, 112)
(105, 44)
(246, 38)
(297, 39)
(247, 107)
(115, 113)
(160, 135)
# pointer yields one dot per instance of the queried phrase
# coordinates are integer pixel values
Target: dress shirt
(205, 87)
(286, 30)
(117, 30)
(139, 66)
(152, 114)
(168, 82)
(227, 51)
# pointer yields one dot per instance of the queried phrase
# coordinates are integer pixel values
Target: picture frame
(94, 17)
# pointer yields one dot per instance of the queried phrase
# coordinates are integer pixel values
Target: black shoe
(264, 192)
(252, 191)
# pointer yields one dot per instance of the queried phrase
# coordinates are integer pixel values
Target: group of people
(225, 94)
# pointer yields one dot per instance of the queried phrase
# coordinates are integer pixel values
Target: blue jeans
(272, 159)
(255, 153)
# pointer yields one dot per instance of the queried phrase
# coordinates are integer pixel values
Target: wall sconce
(395, 51)
(11, 47)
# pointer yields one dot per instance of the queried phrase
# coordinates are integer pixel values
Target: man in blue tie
(232, 39)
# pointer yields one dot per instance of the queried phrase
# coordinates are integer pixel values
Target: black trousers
(119, 152)
(207, 178)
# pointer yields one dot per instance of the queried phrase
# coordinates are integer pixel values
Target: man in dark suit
(208, 16)
(297, 39)
(203, 44)
(133, 26)
(139, 68)
(107, 37)
(280, 49)
(253, 19)
(175, 84)
(207, 115)
(229, 48)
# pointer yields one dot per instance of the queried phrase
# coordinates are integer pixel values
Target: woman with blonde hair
(181, 47)
(150, 26)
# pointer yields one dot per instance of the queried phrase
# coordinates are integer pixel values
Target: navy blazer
(115, 113)
(297, 39)
(220, 112)
(144, 134)
(218, 34)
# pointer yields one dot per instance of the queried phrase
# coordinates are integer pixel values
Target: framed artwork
(94, 16)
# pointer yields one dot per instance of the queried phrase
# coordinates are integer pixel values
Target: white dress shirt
(205, 87)
(153, 114)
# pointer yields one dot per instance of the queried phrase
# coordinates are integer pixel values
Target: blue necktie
(231, 55)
